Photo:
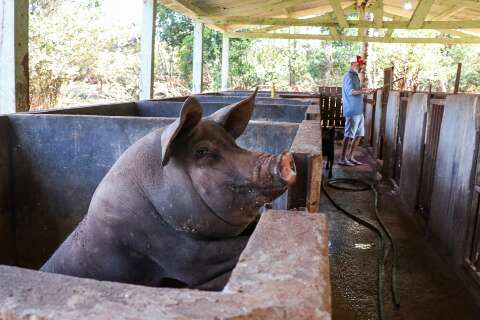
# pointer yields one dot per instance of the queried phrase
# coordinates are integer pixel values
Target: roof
(458, 21)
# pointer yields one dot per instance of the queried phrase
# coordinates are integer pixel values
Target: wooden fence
(331, 107)
(431, 150)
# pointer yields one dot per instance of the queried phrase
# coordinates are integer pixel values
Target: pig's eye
(201, 152)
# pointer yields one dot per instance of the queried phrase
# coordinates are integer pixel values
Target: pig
(328, 148)
(173, 209)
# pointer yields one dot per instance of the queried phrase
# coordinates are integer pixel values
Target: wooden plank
(457, 78)
(391, 129)
(420, 13)
(333, 33)
(339, 14)
(187, 7)
(451, 11)
(197, 75)
(14, 72)
(326, 21)
(265, 35)
(378, 14)
(453, 190)
(439, 102)
(225, 62)
(147, 50)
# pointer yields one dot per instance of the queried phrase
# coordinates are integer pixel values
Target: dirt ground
(428, 288)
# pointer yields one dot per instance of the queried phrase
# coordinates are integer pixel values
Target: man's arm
(361, 91)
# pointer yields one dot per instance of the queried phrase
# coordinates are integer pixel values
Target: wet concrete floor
(428, 288)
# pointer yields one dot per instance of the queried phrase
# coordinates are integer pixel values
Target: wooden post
(14, 75)
(225, 62)
(147, 50)
(197, 58)
(457, 79)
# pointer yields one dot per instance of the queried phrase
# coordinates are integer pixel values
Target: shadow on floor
(428, 288)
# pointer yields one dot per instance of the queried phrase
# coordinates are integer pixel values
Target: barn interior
(307, 258)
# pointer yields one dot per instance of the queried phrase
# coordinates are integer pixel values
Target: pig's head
(230, 184)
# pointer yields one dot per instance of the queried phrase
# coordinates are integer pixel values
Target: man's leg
(346, 144)
(359, 133)
(350, 157)
(348, 133)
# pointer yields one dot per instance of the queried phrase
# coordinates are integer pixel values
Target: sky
(126, 11)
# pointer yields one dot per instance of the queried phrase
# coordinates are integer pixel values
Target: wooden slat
(339, 14)
(439, 102)
(378, 14)
(457, 78)
(420, 13)
(265, 35)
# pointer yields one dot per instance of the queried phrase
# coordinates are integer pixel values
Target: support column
(14, 75)
(225, 62)
(147, 49)
(197, 58)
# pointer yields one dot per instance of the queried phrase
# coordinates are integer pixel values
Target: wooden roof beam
(326, 21)
(378, 14)
(265, 35)
(449, 12)
(339, 14)
(395, 17)
(188, 7)
(265, 7)
(466, 3)
(420, 13)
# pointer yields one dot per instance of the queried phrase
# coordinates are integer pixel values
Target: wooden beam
(389, 32)
(361, 17)
(453, 10)
(466, 3)
(457, 78)
(325, 21)
(334, 33)
(403, 17)
(378, 14)
(265, 35)
(14, 72)
(266, 8)
(147, 50)
(339, 14)
(186, 7)
(225, 62)
(420, 13)
(197, 75)
(328, 15)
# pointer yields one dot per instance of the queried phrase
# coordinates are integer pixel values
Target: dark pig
(172, 209)
(328, 148)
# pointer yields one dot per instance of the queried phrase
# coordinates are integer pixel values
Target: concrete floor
(428, 289)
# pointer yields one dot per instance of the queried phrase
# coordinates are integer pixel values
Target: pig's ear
(190, 116)
(234, 118)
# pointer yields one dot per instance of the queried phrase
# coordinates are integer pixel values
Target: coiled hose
(356, 185)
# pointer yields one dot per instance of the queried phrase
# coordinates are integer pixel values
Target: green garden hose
(355, 185)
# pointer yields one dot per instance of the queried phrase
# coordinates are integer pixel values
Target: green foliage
(172, 28)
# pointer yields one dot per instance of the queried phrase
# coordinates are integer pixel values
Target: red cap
(360, 60)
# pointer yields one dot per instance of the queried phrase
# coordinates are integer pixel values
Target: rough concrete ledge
(307, 151)
(282, 274)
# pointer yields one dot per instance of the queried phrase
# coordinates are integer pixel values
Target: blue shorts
(354, 127)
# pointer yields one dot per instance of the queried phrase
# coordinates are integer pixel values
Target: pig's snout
(285, 168)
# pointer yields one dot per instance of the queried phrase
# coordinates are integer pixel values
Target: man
(352, 97)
